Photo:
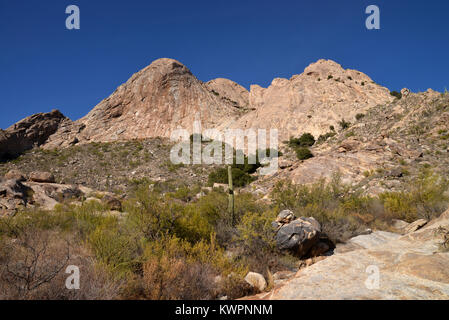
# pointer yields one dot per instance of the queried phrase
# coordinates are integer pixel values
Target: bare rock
(285, 217)
(410, 267)
(299, 236)
(15, 175)
(229, 90)
(323, 88)
(412, 227)
(29, 132)
(152, 103)
(256, 280)
(113, 203)
(42, 177)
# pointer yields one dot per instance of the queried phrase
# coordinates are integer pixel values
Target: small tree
(344, 124)
(303, 153)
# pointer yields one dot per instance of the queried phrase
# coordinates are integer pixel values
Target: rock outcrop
(29, 132)
(298, 236)
(152, 103)
(166, 95)
(377, 266)
(320, 97)
(230, 91)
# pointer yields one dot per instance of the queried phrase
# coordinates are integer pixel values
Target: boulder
(13, 195)
(256, 280)
(112, 203)
(285, 217)
(42, 177)
(299, 236)
(29, 132)
(412, 227)
(15, 175)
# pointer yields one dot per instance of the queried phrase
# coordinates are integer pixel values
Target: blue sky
(45, 66)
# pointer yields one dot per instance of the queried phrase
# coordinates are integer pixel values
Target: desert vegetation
(167, 244)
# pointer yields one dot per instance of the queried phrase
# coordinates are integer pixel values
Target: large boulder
(256, 280)
(15, 175)
(299, 236)
(29, 132)
(13, 195)
(42, 177)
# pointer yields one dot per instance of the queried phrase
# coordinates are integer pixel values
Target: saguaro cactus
(231, 195)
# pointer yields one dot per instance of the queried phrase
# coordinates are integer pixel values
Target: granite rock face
(152, 103)
(28, 133)
(321, 96)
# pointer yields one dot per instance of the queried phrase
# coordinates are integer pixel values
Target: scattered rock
(113, 203)
(15, 175)
(256, 280)
(42, 177)
(13, 196)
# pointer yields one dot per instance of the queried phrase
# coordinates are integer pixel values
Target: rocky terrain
(410, 266)
(299, 233)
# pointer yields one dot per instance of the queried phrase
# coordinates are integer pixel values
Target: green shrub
(359, 116)
(306, 140)
(303, 153)
(396, 94)
(239, 177)
(344, 124)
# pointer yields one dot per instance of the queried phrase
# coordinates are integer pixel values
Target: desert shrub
(168, 278)
(151, 215)
(359, 116)
(115, 250)
(323, 138)
(303, 153)
(425, 198)
(256, 232)
(344, 124)
(240, 178)
(306, 140)
(323, 201)
(396, 94)
(33, 267)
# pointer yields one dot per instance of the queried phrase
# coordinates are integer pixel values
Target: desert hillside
(362, 181)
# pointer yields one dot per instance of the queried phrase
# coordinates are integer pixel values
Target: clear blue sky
(44, 66)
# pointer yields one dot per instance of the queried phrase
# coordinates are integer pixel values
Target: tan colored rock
(256, 280)
(230, 91)
(29, 132)
(310, 102)
(15, 175)
(410, 267)
(43, 177)
(152, 103)
(412, 227)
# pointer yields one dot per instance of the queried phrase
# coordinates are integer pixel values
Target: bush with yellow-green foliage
(343, 212)
(170, 245)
